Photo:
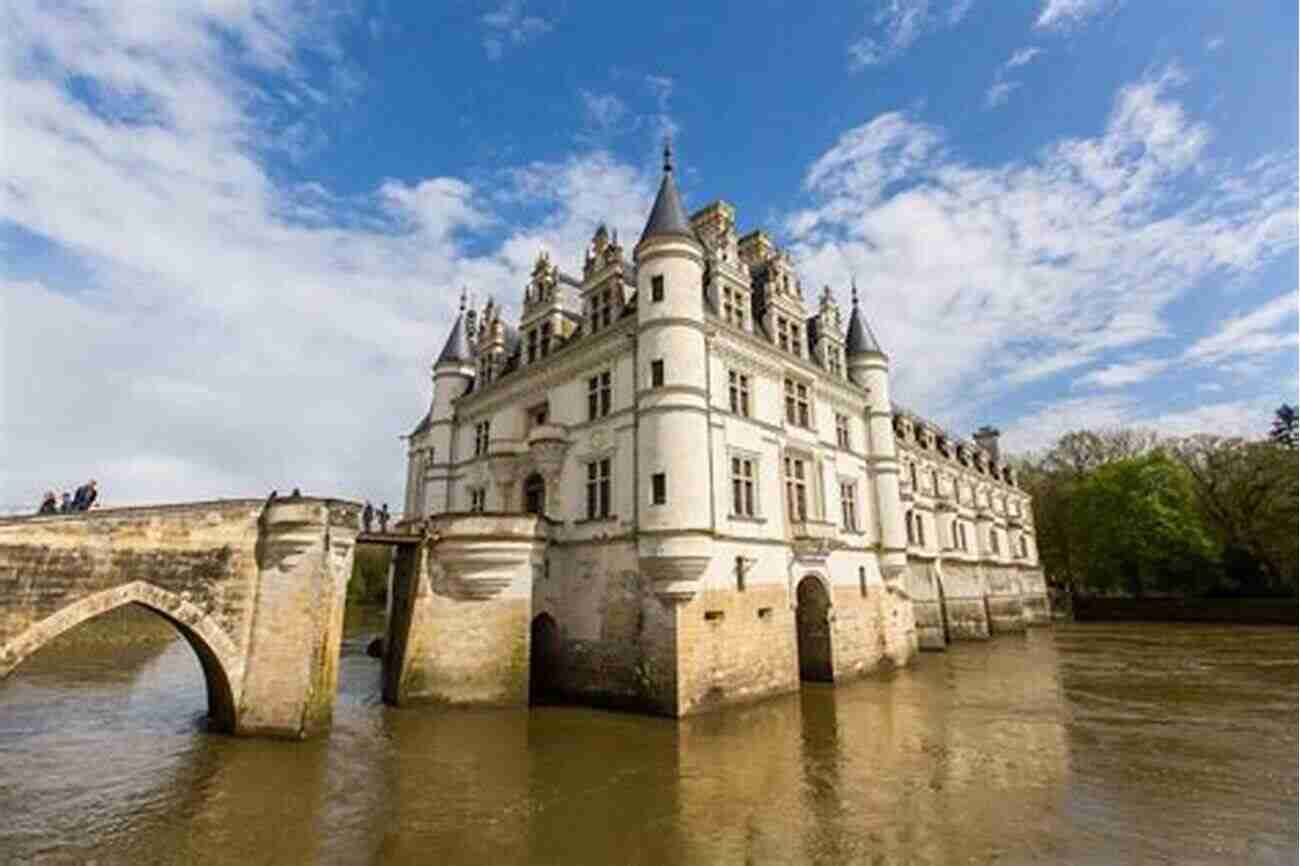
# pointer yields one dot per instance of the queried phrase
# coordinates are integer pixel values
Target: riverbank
(1244, 611)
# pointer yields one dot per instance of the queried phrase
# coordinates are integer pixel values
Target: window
(659, 489)
(482, 432)
(920, 531)
(796, 488)
(598, 396)
(796, 346)
(477, 499)
(1024, 548)
(539, 414)
(743, 474)
(849, 505)
(532, 345)
(911, 530)
(783, 334)
(961, 536)
(911, 468)
(842, 431)
(545, 347)
(833, 361)
(657, 373)
(993, 541)
(602, 309)
(656, 289)
(934, 481)
(598, 489)
(738, 384)
(797, 407)
(733, 306)
(862, 580)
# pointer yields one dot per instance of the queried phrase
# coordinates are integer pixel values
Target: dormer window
(602, 309)
(545, 346)
(733, 308)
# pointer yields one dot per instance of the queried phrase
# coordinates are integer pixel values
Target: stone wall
(1004, 599)
(922, 585)
(462, 610)
(1034, 595)
(962, 593)
(735, 646)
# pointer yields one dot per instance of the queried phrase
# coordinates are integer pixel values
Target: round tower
(674, 494)
(430, 444)
(868, 367)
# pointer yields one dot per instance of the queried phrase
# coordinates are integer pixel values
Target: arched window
(535, 494)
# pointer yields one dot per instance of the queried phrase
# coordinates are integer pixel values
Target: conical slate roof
(859, 340)
(667, 217)
(456, 351)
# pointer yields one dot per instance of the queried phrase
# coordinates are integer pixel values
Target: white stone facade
(687, 415)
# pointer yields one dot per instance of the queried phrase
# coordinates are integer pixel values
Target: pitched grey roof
(668, 217)
(456, 351)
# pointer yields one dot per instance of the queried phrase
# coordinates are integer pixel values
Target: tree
(1053, 480)
(1247, 492)
(1285, 430)
(1138, 528)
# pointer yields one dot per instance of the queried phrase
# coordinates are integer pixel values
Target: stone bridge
(258, 590)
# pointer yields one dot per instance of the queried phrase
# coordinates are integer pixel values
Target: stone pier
(462, 610)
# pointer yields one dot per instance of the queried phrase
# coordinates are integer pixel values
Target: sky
(233, 233)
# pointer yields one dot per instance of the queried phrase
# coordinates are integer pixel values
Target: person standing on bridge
(383, 518)
(367, 516)
(50, 504)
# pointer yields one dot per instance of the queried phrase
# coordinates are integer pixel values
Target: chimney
(987, 438)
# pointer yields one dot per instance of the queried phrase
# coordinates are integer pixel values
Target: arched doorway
(814, 630)
(535, 494)
(544, 660)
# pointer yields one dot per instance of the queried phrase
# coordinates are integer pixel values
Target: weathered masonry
(256, 589)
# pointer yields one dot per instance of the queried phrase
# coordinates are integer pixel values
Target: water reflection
(1081, 745)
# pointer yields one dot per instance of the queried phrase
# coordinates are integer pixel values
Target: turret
(430, 442)
(671, 396)
(868, 367)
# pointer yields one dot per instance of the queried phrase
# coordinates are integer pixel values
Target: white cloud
(603, 113)
(1046, 423)
(1032, 268)
(227, 333)
(1023, 56)
(1126, 373)
(896, 24)
(1214, 43)
(1258, 332)
(509, 26)
(1066, 13)
(999, 93)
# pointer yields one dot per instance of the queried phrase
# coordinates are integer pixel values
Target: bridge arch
(217, 654)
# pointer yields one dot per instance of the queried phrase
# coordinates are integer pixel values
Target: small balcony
(814, 539)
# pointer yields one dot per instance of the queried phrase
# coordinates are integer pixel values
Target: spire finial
(854, 282)
(668, 152)
(464, 292)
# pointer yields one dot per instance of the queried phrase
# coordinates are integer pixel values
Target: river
(1081, 744)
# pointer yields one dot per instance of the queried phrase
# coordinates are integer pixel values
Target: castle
(728, 501)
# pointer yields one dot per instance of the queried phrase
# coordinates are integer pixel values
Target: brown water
(1090, 744)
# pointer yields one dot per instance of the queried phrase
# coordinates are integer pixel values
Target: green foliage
(1285, 430)
(369, 582)
(1136, 525)
(1123, 511)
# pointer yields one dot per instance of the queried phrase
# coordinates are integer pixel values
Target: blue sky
(232, 233)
